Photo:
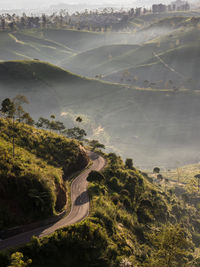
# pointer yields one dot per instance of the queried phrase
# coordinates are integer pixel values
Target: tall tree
(8, 108)
(18, 101)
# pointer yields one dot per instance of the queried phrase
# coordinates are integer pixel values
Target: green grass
(183, 173)
(17, 45)
(32, 184)
(94, 58)
(126, 210)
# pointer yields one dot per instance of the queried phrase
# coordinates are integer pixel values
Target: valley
(99, 138)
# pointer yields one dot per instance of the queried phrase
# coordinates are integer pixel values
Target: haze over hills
(123, 81)
(153, 105)
(135, 121)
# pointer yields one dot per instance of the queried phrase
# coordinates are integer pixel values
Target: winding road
(79, 208)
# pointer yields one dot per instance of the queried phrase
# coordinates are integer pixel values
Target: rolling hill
(150, 125)
(16, 45)
(94, 58)
(178, 45)
(168, 72)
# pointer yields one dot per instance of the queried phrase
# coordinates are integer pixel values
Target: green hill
(168, 72)
(77, 40)
(95, 58)
(130, 216)
(16, 45)
(139, 123)
(32, 182)
(104, 61)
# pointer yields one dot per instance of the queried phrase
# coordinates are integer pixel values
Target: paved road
(79, 209)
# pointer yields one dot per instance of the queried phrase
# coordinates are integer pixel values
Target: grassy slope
(126, 208)
(175, 50)
(95, 57)
(77, 40)
(18, 45)
(162, 36)
(171, 74)
(31, 184)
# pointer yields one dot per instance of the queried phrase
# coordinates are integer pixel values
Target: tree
(3, 24)
(96, 177)
(197, 176)
(75, 133)
(43, 123)
(53, 117)
(8, 108)
(26, 118)
(79, 119)
(44, 21)
(156, 170)
(160, 177)
(17, 260)
(95, 144)
(171, 247)
(18, 101)
(57, 126)
(129, 164)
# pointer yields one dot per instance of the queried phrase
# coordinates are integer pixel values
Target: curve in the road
(79, 208)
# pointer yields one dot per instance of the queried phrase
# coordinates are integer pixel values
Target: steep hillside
(32, 183)
(129, 217)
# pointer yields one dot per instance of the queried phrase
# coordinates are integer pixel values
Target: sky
(40, 4)
(12, 4)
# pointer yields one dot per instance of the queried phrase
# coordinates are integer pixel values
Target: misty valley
(99, 136)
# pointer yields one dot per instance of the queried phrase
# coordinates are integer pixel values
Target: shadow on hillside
(82, 199)
(93, 156)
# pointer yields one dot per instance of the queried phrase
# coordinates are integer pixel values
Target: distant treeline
(97, 20)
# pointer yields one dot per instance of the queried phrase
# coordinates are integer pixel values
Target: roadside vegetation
(34, 165)
(132, 222)
(142, 97)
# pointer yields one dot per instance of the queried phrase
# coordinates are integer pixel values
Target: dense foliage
(132, 223)
(31, 180)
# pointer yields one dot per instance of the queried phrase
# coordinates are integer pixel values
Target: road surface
(79, 208)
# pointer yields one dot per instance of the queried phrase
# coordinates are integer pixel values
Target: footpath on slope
(79, 208)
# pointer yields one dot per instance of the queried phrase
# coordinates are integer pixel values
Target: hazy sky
(11, 4)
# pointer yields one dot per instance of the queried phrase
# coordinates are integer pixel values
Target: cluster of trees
(54, 125)
(97, 20)
(13, 110)
(175, 6)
